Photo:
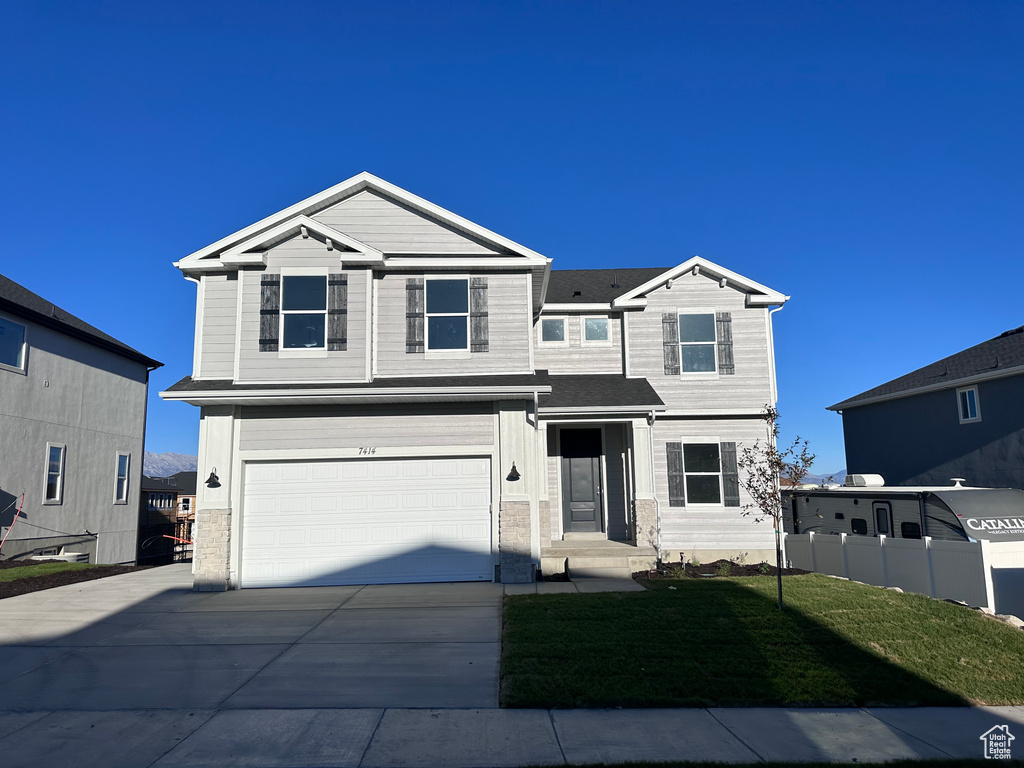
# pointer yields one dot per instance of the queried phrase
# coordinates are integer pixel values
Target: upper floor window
(552, 331)
(303, 311)
(698, 343)
(53, 492)
(970, 409)
(595, 330)
(12, 345)
(447, 314)
(121, 479)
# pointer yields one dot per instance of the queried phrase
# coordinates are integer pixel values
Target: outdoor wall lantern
(514, 474)
(213, 481)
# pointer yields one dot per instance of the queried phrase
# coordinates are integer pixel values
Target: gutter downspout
(774, 391)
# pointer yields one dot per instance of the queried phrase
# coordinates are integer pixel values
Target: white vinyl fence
(979, 573)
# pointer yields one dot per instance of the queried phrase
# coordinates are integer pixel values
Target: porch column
(518, 509)
(212, 530)
(645, 508)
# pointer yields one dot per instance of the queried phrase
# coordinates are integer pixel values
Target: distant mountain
(166, 464)
(833, 477)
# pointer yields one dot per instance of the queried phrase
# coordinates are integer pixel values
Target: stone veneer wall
(646, 522)
(212, 549)
(514, 556)
(545, 523)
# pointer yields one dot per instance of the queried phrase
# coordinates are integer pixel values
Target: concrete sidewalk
(489, 738)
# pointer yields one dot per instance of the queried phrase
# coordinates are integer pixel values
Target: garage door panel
(358, 522)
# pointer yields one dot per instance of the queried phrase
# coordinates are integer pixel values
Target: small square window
(552, 330)
(595, 330)
(859, 526)
(969, 406)
(12, 345)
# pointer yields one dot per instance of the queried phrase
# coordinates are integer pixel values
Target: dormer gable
(757, 295)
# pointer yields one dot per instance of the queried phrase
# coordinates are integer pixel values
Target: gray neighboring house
(392, 393)
(962, 416)
(72, 429)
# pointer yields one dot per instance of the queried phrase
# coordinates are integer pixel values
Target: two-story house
(392, 393)
(72, 428)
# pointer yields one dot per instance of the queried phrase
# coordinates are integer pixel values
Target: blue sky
(864, 158)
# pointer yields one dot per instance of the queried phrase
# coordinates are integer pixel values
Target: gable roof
(17, 300)
(993, 359)
(363, 181)
(757, 295)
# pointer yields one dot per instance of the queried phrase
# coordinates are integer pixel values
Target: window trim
(127, 476)
(584, 341)
(59, 498)
(449, 353)
(977, 405)
(23, 368)
(713, 344)
(293, 352)
(721, 475)
(564, 320)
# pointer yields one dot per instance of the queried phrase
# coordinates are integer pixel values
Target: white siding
(337, 427)
(748, 388)
(217, 337)
(392, 227)
(345, 366)
(509, 322)
(703, 528)
(577, 357)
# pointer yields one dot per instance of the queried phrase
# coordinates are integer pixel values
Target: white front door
(318, 523)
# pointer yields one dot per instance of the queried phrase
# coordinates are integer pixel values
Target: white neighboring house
(392, 393)
(72, 426)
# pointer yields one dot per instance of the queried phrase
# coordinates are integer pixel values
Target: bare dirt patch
(717, 568)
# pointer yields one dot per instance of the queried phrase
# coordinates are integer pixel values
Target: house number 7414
(367, 451)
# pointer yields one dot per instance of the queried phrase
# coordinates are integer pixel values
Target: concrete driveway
(146, 641)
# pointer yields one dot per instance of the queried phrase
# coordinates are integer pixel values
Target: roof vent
(1011, 332)
(615, 281)
(864, 481)
(958, 482)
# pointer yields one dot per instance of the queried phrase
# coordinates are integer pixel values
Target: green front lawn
(40, 569)
(722, 642)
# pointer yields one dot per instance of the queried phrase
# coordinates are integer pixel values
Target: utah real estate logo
(997, 742)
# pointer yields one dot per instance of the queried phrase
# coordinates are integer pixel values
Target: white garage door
(366, 522)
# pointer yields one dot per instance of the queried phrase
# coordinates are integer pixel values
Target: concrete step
(589, 561)
(603, 572)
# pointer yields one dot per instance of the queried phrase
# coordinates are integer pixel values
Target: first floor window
(447, 314)
(968, 400)
(303, 311)
(697, 343)
(54, 491)
(121, 479)
(702, 469)
(552, 330)
(12, 344)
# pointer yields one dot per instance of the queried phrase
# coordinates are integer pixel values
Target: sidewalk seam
(558, 741)
(890, 726)
(373, 735)
(741, 741)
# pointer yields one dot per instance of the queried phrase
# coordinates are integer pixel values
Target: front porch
(597, 558)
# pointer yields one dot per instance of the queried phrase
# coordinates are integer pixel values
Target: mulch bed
(51, 580)
(717, 568)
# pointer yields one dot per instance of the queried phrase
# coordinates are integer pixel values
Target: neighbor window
(447, 314)
(121, 479)
(910, 530)
(54, 490)
(697, 343)
(552, 330)
(12, 344)
(702, 468)
(595, 330)
(303, 311)
(969, 406)
(859, 526)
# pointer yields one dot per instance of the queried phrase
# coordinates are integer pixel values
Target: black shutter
(270, 313)
(676, 479)
(670, 339)
(414, 314)
(730, 475)
(478, 330)
(726, 366)
(337, 313)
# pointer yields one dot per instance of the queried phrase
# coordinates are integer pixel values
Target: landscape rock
(1010, 619)
(895, 589)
